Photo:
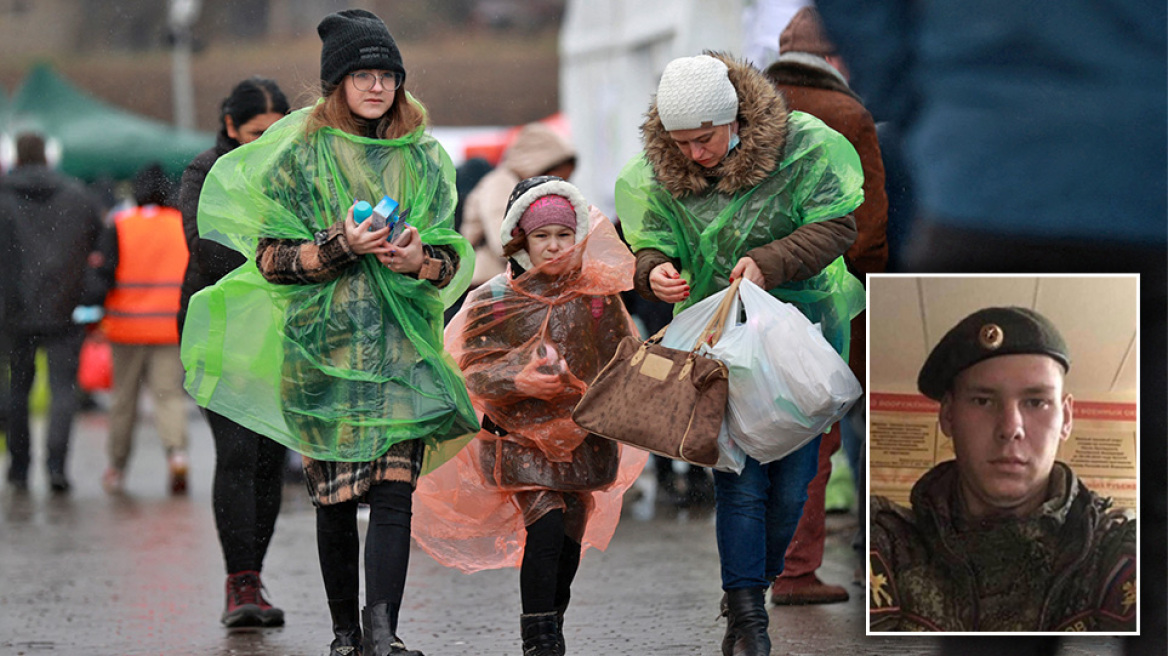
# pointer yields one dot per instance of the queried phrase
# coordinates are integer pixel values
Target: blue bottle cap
(362, 210)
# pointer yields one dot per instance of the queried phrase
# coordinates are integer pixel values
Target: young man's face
(1007, 416)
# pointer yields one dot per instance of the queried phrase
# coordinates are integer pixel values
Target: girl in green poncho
(733, 185)
(331, 341)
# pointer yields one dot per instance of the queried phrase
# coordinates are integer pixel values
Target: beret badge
(991, 336)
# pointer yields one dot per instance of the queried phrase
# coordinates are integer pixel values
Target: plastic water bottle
(362, 210)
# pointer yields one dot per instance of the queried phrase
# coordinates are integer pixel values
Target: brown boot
(805, 589)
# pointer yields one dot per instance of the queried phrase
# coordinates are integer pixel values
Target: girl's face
(548, 242)
(706, 146)
(252, 129)
(370, 93)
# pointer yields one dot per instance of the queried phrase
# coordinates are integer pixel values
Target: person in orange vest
(145, 256)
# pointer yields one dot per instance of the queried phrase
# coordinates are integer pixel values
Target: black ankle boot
(560, 610)
(381, 632)
(746, 623)
(346, 627)
(542, 634)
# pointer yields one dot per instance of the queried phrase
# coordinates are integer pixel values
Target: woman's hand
(362, 239)
(404, 255)
(667, 284)
(530, 382)
(747, 268)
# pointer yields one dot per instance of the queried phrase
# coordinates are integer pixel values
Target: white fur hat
(696, 92)
(532, 189)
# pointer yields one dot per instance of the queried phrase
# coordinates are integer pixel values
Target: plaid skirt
(331, 482)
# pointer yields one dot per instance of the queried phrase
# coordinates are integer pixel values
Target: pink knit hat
(547, 210)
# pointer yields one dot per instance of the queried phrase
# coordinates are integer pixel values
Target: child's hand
(361, 239)
(530, 382)
(406, 254)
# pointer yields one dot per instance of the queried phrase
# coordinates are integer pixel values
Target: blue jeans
(757, 512)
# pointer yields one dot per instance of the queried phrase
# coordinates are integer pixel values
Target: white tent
(612, 53)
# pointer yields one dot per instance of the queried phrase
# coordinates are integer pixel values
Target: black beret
(354, 39)
(985, 334)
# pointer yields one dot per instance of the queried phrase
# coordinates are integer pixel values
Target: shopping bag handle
(713, 330)
(717, 324)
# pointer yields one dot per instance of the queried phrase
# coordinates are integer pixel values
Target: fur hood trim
(543, 186)
(762, 129)
(800, 69)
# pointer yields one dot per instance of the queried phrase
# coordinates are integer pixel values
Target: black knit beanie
(352, 40)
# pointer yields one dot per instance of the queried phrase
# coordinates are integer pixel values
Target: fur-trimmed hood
(532, 189)
(762, 128)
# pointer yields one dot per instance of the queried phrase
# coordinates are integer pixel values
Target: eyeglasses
(364, 80)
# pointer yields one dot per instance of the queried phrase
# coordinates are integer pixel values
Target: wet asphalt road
(141, 573)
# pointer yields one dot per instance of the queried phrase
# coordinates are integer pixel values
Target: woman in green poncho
(733, 185)
(331, 340)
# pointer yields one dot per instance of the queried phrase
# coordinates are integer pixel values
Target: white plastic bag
(683, 333)
(787, 384)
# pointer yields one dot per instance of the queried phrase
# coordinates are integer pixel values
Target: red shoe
(246, 605)
(271, 615)
(805, 589)
(243, 593)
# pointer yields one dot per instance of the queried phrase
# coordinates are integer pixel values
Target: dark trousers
(246, 494)
(936, 248)
(550, 561)
(64, 351)
(387, 545)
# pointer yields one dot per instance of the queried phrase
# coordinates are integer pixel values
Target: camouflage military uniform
(1069, 567)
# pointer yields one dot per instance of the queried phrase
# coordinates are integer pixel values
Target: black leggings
(387, 545)
(550, 561)
(249, 472)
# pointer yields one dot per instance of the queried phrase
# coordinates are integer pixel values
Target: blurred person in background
(53, 223)
(466, 177)
(732, 184)
(814, 79)
(249, 468)
(1036, 145)
(358, 381)
(142, 259)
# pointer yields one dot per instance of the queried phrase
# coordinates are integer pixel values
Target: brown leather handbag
(664, 400)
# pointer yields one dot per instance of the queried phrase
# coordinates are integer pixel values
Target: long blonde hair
(404, 116)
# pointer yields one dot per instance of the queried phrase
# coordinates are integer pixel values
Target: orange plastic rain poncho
(471, 512)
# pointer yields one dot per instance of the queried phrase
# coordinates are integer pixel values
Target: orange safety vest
(152, 258)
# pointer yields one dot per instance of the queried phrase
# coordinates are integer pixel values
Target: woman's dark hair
(250, 98)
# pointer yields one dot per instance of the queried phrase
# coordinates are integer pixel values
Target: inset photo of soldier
(1003, 454)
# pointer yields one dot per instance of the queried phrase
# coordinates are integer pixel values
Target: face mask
(734, 141)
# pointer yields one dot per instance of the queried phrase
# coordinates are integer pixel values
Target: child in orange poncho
(533, 489)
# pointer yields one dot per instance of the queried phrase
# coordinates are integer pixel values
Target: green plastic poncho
(818, 178)
(340, 370)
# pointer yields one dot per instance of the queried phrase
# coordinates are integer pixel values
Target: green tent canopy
(97, 140)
